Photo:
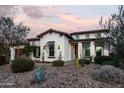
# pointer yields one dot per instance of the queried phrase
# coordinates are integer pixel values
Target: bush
(84, 61)
(58, 63)
(101, 59)
(108, 74)
(2, 60)
(111, 62)
(87, 61)
(22, 65)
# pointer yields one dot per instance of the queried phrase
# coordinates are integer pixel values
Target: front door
(18, 53)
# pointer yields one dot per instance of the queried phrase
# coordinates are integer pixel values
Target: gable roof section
(55, 31)
(91, 31)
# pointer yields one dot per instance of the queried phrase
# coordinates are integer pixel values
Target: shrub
(101, 59)
(111, 62)
(84, 61)
(87, 61)
(2, 60)
(58, 63)
(108, 74)
(22, 65)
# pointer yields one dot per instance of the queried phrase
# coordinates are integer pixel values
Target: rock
(61, 77)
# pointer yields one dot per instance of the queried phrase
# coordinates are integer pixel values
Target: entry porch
(88, 48)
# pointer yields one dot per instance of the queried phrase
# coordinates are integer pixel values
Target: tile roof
(55, 31)
(90, 31)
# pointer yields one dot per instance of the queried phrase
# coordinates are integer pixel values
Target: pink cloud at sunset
(63, 18)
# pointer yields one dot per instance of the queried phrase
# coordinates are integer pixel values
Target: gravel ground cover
(56, 77)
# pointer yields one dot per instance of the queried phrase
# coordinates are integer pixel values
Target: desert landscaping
(56, 77)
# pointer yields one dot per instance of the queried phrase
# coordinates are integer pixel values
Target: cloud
(41, 18)
(7, 10)
(79, 21)
(32, 11)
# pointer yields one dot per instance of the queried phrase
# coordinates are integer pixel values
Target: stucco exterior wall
(67, 50)
(61, 41)
(37, 43)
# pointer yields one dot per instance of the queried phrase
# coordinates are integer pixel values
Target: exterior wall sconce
(43, 47)
(58, 46)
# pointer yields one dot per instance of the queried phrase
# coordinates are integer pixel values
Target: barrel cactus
(39, 75)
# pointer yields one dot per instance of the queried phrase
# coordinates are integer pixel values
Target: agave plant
(39, 75)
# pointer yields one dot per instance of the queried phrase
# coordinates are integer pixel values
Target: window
(36, 51)
(77, 37)
(51, 48)
(98, 51)
(87, 36)
(98, 35)
(33, 43)
(87, 50)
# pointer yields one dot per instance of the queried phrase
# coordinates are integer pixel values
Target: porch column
(92, 49)
(106, 50)
(12, 53)
(80, 52)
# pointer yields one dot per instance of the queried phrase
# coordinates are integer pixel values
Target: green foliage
(111, 62)
(39, 75)
(22, 65)
(108, 73)
(2, 60)
(87, 61)
(27, 49)
(11, 33)
(84, 61)
(115, 36)
(101, 59)
(2, 51)
(58, 63)
(106, 60)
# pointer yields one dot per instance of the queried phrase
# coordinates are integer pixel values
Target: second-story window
(98, 35)
(77, 37)
(87, 36)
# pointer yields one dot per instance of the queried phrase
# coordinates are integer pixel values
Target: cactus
(77, 63)
(39, 75)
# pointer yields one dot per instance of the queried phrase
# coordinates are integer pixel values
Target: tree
(115, 37)
(11, 33)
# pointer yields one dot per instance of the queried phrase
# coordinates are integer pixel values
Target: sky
(66, 18)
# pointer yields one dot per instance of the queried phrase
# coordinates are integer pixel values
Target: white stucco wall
(62, 41)
(67, 49)
(12, 53)
(37, 43)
